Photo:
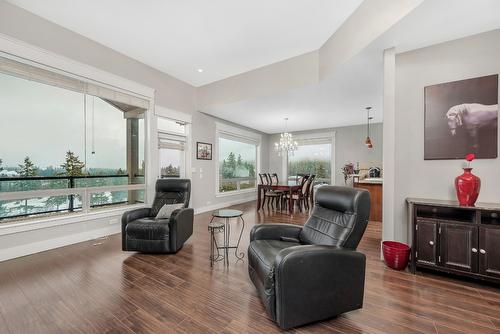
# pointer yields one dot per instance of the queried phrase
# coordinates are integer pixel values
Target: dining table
(290, 187)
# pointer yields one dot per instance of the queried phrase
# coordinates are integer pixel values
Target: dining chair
(263, 178)
(269, 195)
(298, 197)
(308, 195)
(274, 196)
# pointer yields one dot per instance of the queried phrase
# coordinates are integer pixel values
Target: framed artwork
(461, 117)
(203, 151)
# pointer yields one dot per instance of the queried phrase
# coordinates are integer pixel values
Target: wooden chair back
(264, 179)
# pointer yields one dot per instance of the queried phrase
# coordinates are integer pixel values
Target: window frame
(29, 55)
(225, 130)
(170, 135)
(321, 137)
(172, 115)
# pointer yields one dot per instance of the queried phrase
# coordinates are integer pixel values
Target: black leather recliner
(310, 273)
(142, 232)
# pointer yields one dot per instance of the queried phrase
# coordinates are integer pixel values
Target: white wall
(204, 183)
(349, 147)
(415, 177)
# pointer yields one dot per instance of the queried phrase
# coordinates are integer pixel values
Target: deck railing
(42, 195)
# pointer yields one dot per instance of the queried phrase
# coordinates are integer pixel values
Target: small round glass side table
(226, 215)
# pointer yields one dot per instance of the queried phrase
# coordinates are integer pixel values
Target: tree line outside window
(72, 166)
(234, 167)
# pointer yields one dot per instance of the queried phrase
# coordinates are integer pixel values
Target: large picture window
(312, 157)
(67, 146)
(237, 163)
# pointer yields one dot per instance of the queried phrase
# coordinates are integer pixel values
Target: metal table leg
(226, 241)
(242, 254)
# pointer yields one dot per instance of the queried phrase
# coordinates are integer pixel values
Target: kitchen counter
(374, 186)
(371, 180)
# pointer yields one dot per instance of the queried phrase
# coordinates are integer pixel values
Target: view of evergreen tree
(320, 168)
(27, 168)
(73, 166)
(235, 167)
(55, 202)
(1, 162)
(170, 171)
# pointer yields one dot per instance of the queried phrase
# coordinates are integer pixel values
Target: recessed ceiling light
(200, 70)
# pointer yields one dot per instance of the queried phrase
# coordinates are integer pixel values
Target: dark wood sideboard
(455, 239)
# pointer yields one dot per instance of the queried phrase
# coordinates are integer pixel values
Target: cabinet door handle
(482, 251)
(431, 243)
(474, 250)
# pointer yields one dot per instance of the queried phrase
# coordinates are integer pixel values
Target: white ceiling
(222, 37)
(340, 99)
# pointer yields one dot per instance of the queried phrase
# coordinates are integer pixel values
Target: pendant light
(368, 141)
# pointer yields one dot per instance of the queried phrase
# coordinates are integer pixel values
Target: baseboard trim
(223, 205)
(69, 239)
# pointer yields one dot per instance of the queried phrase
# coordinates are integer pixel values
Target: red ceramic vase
(467, 186)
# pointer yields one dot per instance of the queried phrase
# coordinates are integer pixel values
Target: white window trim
(176, 116)
(26, 53)
(222, 128)
(327, 136)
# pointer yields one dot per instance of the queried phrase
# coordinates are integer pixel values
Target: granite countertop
(371, 180)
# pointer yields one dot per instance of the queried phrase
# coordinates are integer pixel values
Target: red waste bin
(396, 254)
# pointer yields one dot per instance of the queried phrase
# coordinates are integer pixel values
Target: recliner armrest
(315, 282)
(181, 227)
(129, 216)
(275, 232)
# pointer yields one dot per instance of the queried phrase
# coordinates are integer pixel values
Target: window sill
(236, 192)
(36, 224)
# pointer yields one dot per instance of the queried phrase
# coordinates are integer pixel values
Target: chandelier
(286, 145)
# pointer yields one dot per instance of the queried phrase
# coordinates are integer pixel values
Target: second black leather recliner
(310, 273)
(142, 232)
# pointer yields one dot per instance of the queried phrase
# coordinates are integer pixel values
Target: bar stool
(213, 228)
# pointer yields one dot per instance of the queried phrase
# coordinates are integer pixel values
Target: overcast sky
(313, 152)
(43, 122)
(227, 146)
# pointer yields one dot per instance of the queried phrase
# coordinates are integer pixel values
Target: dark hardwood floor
(87, 288)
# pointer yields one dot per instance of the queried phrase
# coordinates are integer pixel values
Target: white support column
(389, 145)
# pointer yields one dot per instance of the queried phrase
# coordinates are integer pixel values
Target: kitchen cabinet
(375, 190)
(458, 240)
